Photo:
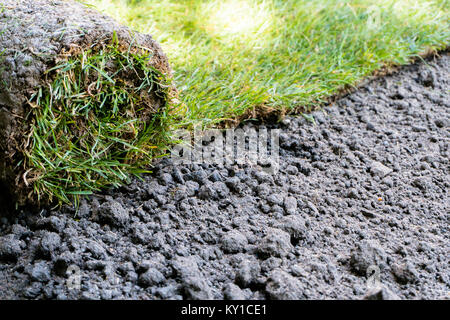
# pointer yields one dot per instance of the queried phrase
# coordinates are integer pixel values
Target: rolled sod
(83, 101)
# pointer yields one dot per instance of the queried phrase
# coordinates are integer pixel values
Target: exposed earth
(363, 186)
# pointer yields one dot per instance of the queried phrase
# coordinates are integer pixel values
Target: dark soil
(366, 185)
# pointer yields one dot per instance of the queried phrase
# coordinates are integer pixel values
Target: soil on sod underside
(82, 100)
(367, 184)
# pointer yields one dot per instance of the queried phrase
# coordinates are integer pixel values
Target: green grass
(95, 124)
(233, 56)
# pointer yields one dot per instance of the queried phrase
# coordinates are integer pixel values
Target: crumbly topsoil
(36, 36)
(366, 185)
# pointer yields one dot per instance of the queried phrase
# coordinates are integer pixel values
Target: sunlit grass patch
(241, 20)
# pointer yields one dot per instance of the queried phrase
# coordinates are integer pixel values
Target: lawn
(237, 59)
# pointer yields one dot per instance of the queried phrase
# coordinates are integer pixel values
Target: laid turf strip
(236, 59)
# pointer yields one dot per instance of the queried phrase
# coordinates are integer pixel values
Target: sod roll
(83, 100)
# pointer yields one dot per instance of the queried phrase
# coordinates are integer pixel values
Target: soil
(364, 186)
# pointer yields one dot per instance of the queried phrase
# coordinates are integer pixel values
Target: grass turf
(98, 121)
(237, 58)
